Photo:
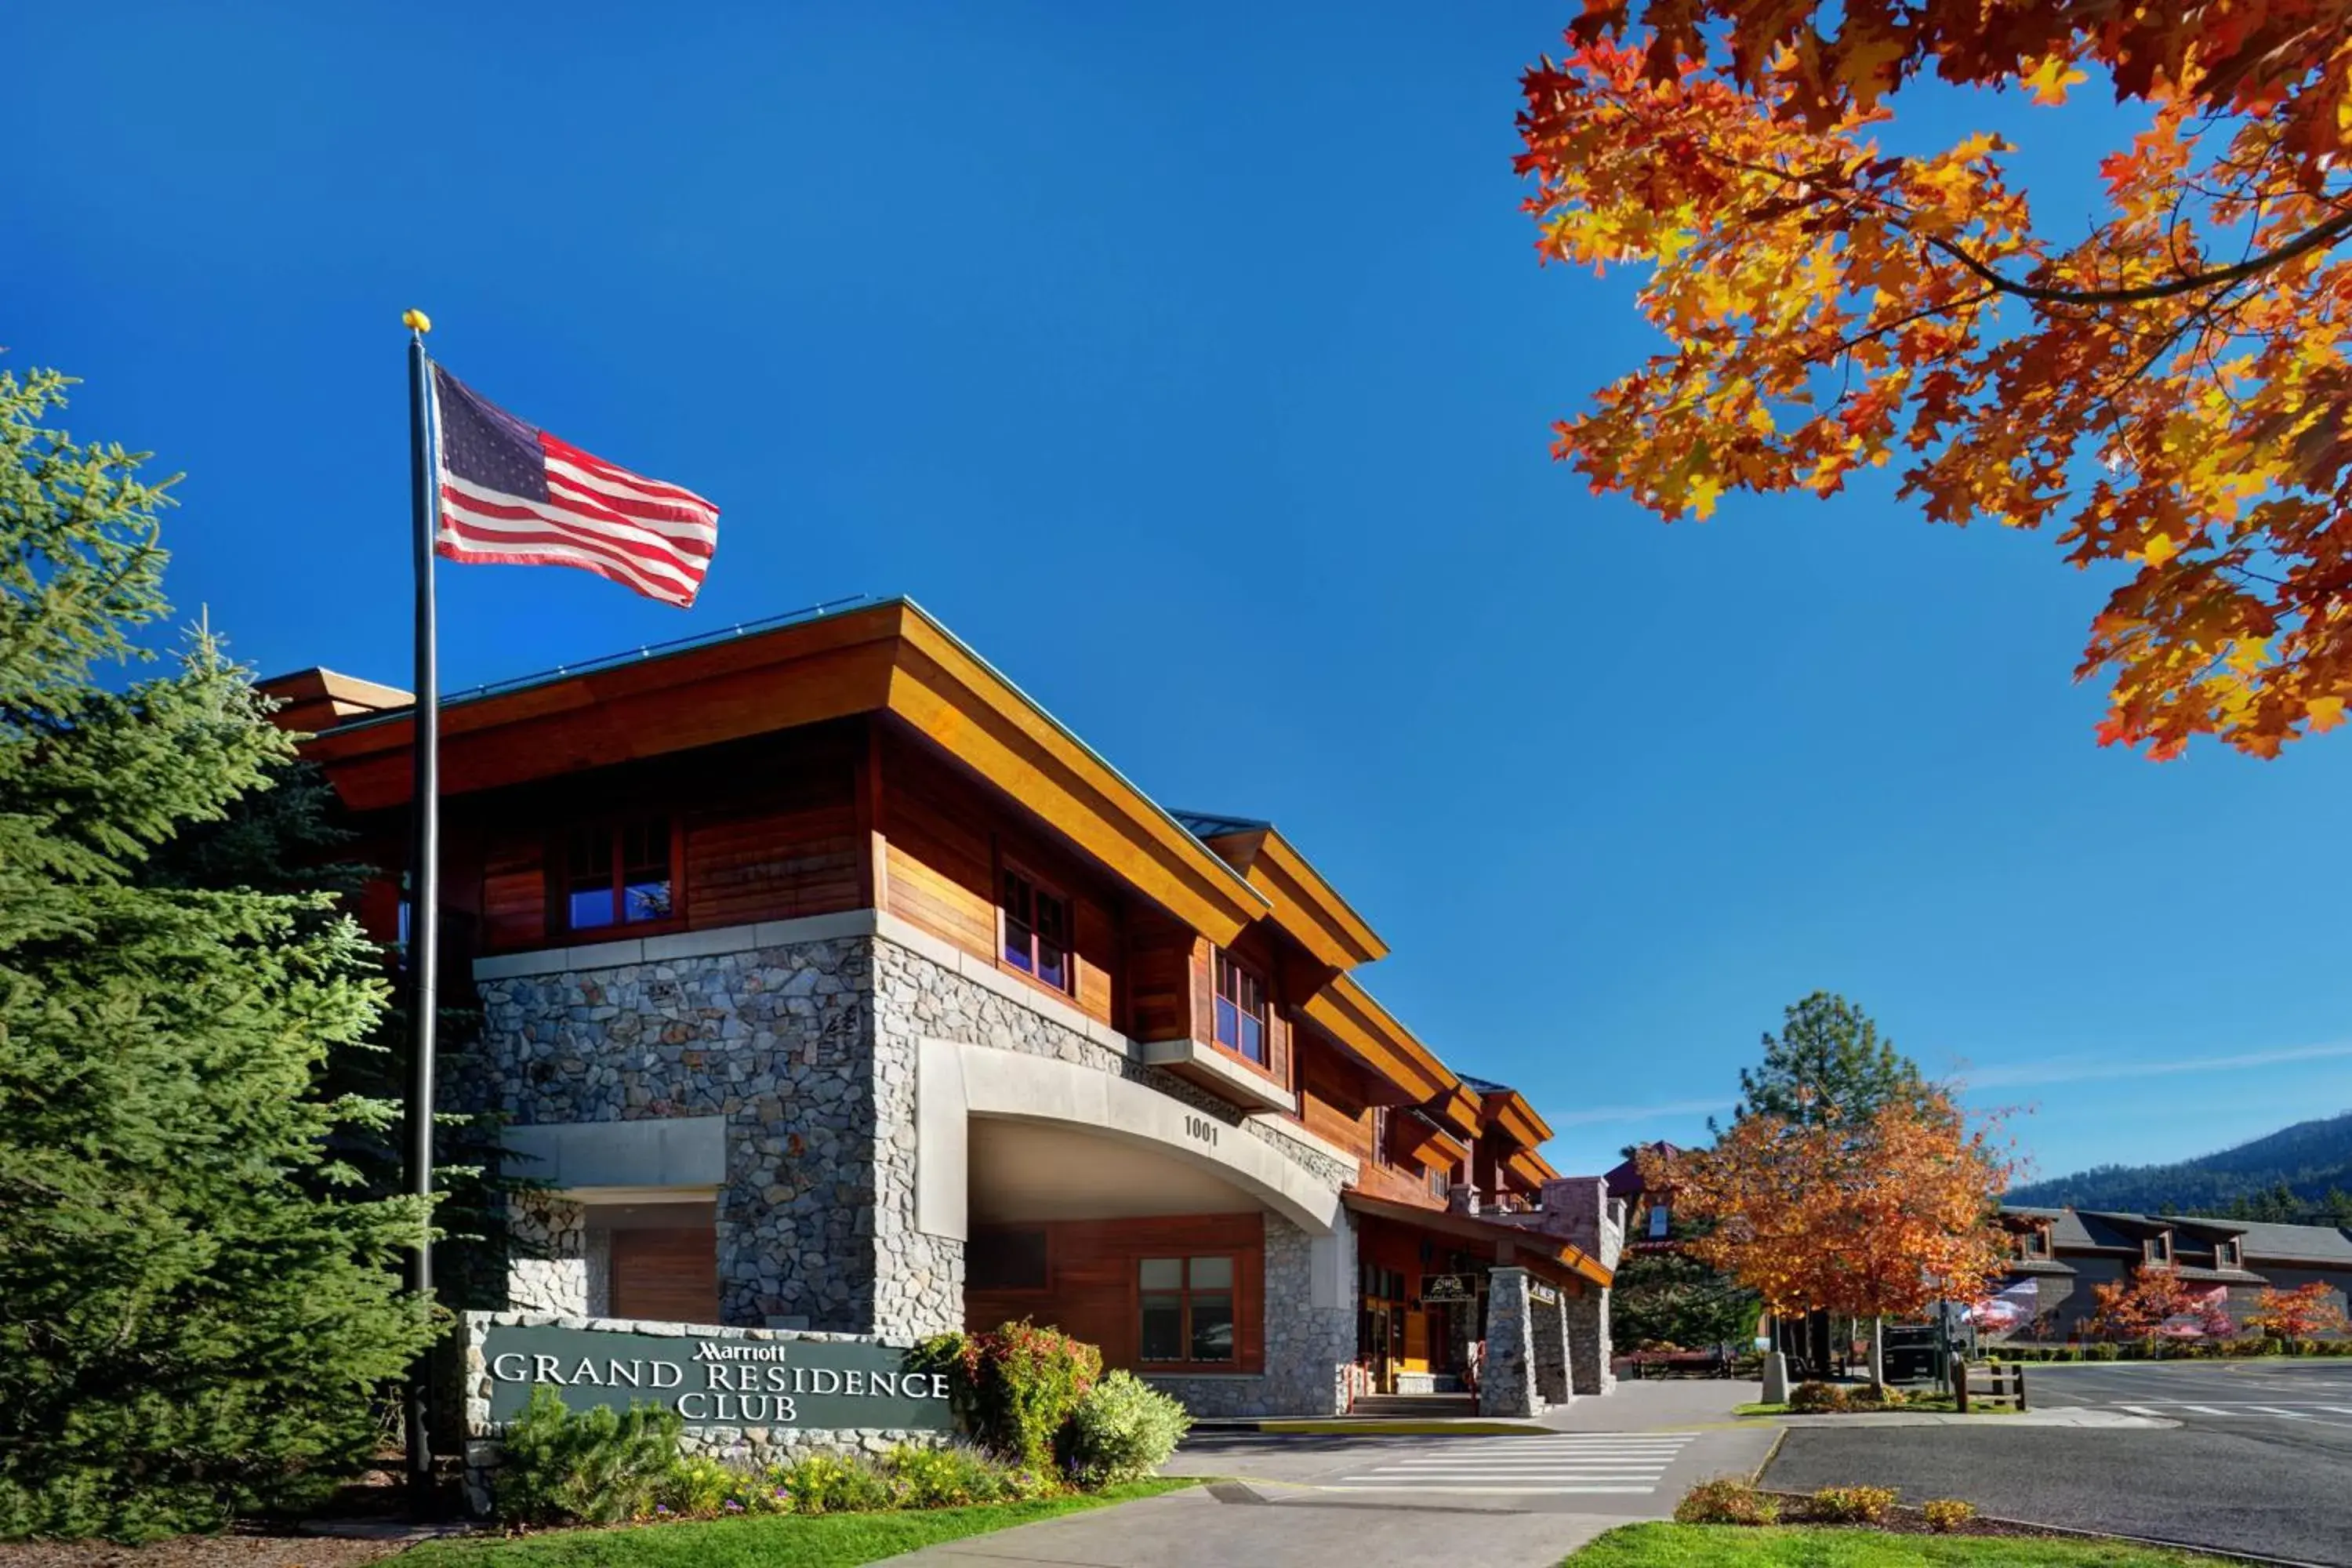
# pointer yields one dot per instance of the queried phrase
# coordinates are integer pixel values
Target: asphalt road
(2260, 1462)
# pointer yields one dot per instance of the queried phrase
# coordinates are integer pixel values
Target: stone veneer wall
(547, 1264)
(1507, 1378)
(809, 1050)
(1588, 1350)
(1548, 1324)
(741, 1445)
(776, 1039)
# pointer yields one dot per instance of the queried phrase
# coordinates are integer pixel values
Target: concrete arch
(956, 1081)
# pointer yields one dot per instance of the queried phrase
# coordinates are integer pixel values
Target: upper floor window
(2157, 1248)
(2033, 1243)
(1241, 1010)
(1381, 1135)
(618, 873)
(1660, 1218)
(1036, 930)
(2226, 1254)
(1441, 1181)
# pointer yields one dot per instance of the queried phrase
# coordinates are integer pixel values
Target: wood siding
(946, 841)
(1091, 1282)
(669, 1276)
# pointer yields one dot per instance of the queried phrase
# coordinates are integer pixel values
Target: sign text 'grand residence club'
(835, 995)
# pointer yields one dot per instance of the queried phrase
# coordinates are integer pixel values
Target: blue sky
(1193, 364)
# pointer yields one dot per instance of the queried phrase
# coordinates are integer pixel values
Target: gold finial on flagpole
(417, 320)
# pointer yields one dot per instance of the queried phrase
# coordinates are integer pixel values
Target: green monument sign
(716, 1381)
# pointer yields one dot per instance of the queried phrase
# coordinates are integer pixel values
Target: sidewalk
(1229, 1523)
(2057, 1415)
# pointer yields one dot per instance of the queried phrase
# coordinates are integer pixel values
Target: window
(1380, 1135)
(2158, 1249)
(1036, 930)
(617, 874)
(2225, 1255)
(1441, 1181)
(1240, 1011)
(1188, 1309)
(998, 1259)
(2034, 1243)
(1660, 1217)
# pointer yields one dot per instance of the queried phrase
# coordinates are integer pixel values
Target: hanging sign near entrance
(715, 1381)
(1542, 1294)
(1446, 1287)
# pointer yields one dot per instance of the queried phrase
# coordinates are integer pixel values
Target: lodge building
(826, 983)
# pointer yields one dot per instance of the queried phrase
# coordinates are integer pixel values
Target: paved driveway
(2259, 1463)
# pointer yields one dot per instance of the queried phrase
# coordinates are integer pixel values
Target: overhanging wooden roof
(889, 658)
(1508, 1110)
(1304, 904)
(1469, 1228)
(1345, 1012)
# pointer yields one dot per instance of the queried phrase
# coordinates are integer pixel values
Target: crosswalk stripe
(2138, 1409)
(2204, 1410)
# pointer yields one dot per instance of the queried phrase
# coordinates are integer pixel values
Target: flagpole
(424, 905)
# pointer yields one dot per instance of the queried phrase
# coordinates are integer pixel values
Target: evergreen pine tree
(1829, 1056)
(194, 1318)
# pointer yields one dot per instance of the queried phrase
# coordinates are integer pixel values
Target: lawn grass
(774, 1540)
(1744, 1546)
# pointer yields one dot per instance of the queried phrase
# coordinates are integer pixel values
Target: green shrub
(1122, 1430)
(1728, 1499)
(1817, 1396)
(1869, 1398)
(1947, 1512)
(1014, 1387)
(700, 1486)
(2102, 1349)
(594, 1467)
(1852, 1505)
(838, 1483)
(959, 1475)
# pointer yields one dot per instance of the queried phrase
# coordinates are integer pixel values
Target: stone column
(547, 1254)
(1588, 1339)
(1551, 1328)
(1507, 1383)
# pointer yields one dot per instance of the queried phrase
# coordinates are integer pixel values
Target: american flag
(512, 492)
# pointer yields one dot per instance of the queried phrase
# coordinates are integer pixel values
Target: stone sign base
(712, 1372)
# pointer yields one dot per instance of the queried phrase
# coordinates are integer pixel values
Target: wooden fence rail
(1989, 1382)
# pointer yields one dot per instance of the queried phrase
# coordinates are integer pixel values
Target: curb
(1341, 1426)
(2217, 1554)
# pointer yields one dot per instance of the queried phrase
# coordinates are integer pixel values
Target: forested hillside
(2311, 1161)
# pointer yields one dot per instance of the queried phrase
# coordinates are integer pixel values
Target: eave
(1303, 903)
(1532, 1243)
(1429, 1144)
(1529, 1167)
(1456, 1109)
(884, 658)
(1345, 1012)
(1509, 1110)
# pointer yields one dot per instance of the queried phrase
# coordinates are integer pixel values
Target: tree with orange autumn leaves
(2135, 1308)
(1874, 1216)
(2172, 389)
(2302, 1313)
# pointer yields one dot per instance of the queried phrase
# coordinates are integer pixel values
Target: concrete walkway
(1300, 1501)
(1227, 1523)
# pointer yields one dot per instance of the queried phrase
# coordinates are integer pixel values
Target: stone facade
(1547, 1326)
(745, 1446)
(1506, 1379)
(547, 1267)
(809, 1049)
(1589, 1353)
